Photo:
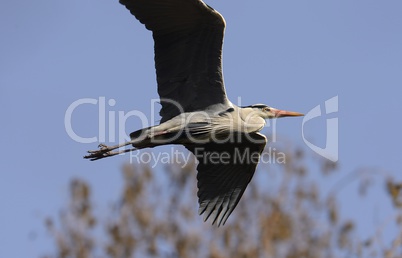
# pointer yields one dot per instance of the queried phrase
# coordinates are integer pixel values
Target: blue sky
(289, 54)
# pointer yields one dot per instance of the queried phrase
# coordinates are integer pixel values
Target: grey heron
(225, 138)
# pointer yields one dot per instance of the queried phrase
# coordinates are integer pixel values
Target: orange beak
(282, 113)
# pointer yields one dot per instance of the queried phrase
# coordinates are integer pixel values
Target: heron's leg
(103, 147)
(106, 151)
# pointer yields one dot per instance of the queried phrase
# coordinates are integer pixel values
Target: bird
(195, 110)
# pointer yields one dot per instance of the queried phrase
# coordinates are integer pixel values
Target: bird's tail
(140, 138)
(149, 138)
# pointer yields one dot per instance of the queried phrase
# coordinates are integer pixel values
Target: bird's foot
(105, 151)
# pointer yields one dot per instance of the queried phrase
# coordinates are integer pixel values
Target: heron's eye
(267, 109)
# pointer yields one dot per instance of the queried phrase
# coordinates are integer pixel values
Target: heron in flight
(196, 113)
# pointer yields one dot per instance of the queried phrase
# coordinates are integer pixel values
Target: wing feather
(188, 36)
(222, 184)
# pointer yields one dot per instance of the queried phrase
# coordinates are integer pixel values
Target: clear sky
(290, 54)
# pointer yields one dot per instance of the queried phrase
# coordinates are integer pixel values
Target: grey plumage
(196, 113)
(188, 38)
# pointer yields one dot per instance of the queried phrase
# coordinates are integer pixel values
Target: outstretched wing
(224, 171)
(188, 37)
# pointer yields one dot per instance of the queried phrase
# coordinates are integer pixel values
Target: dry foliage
(156, 216)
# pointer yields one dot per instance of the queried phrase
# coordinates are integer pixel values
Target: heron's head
(268, 112)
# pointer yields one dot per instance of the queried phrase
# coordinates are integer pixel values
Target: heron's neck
(251, 120)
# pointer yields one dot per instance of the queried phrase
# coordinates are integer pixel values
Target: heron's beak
(282, 113)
